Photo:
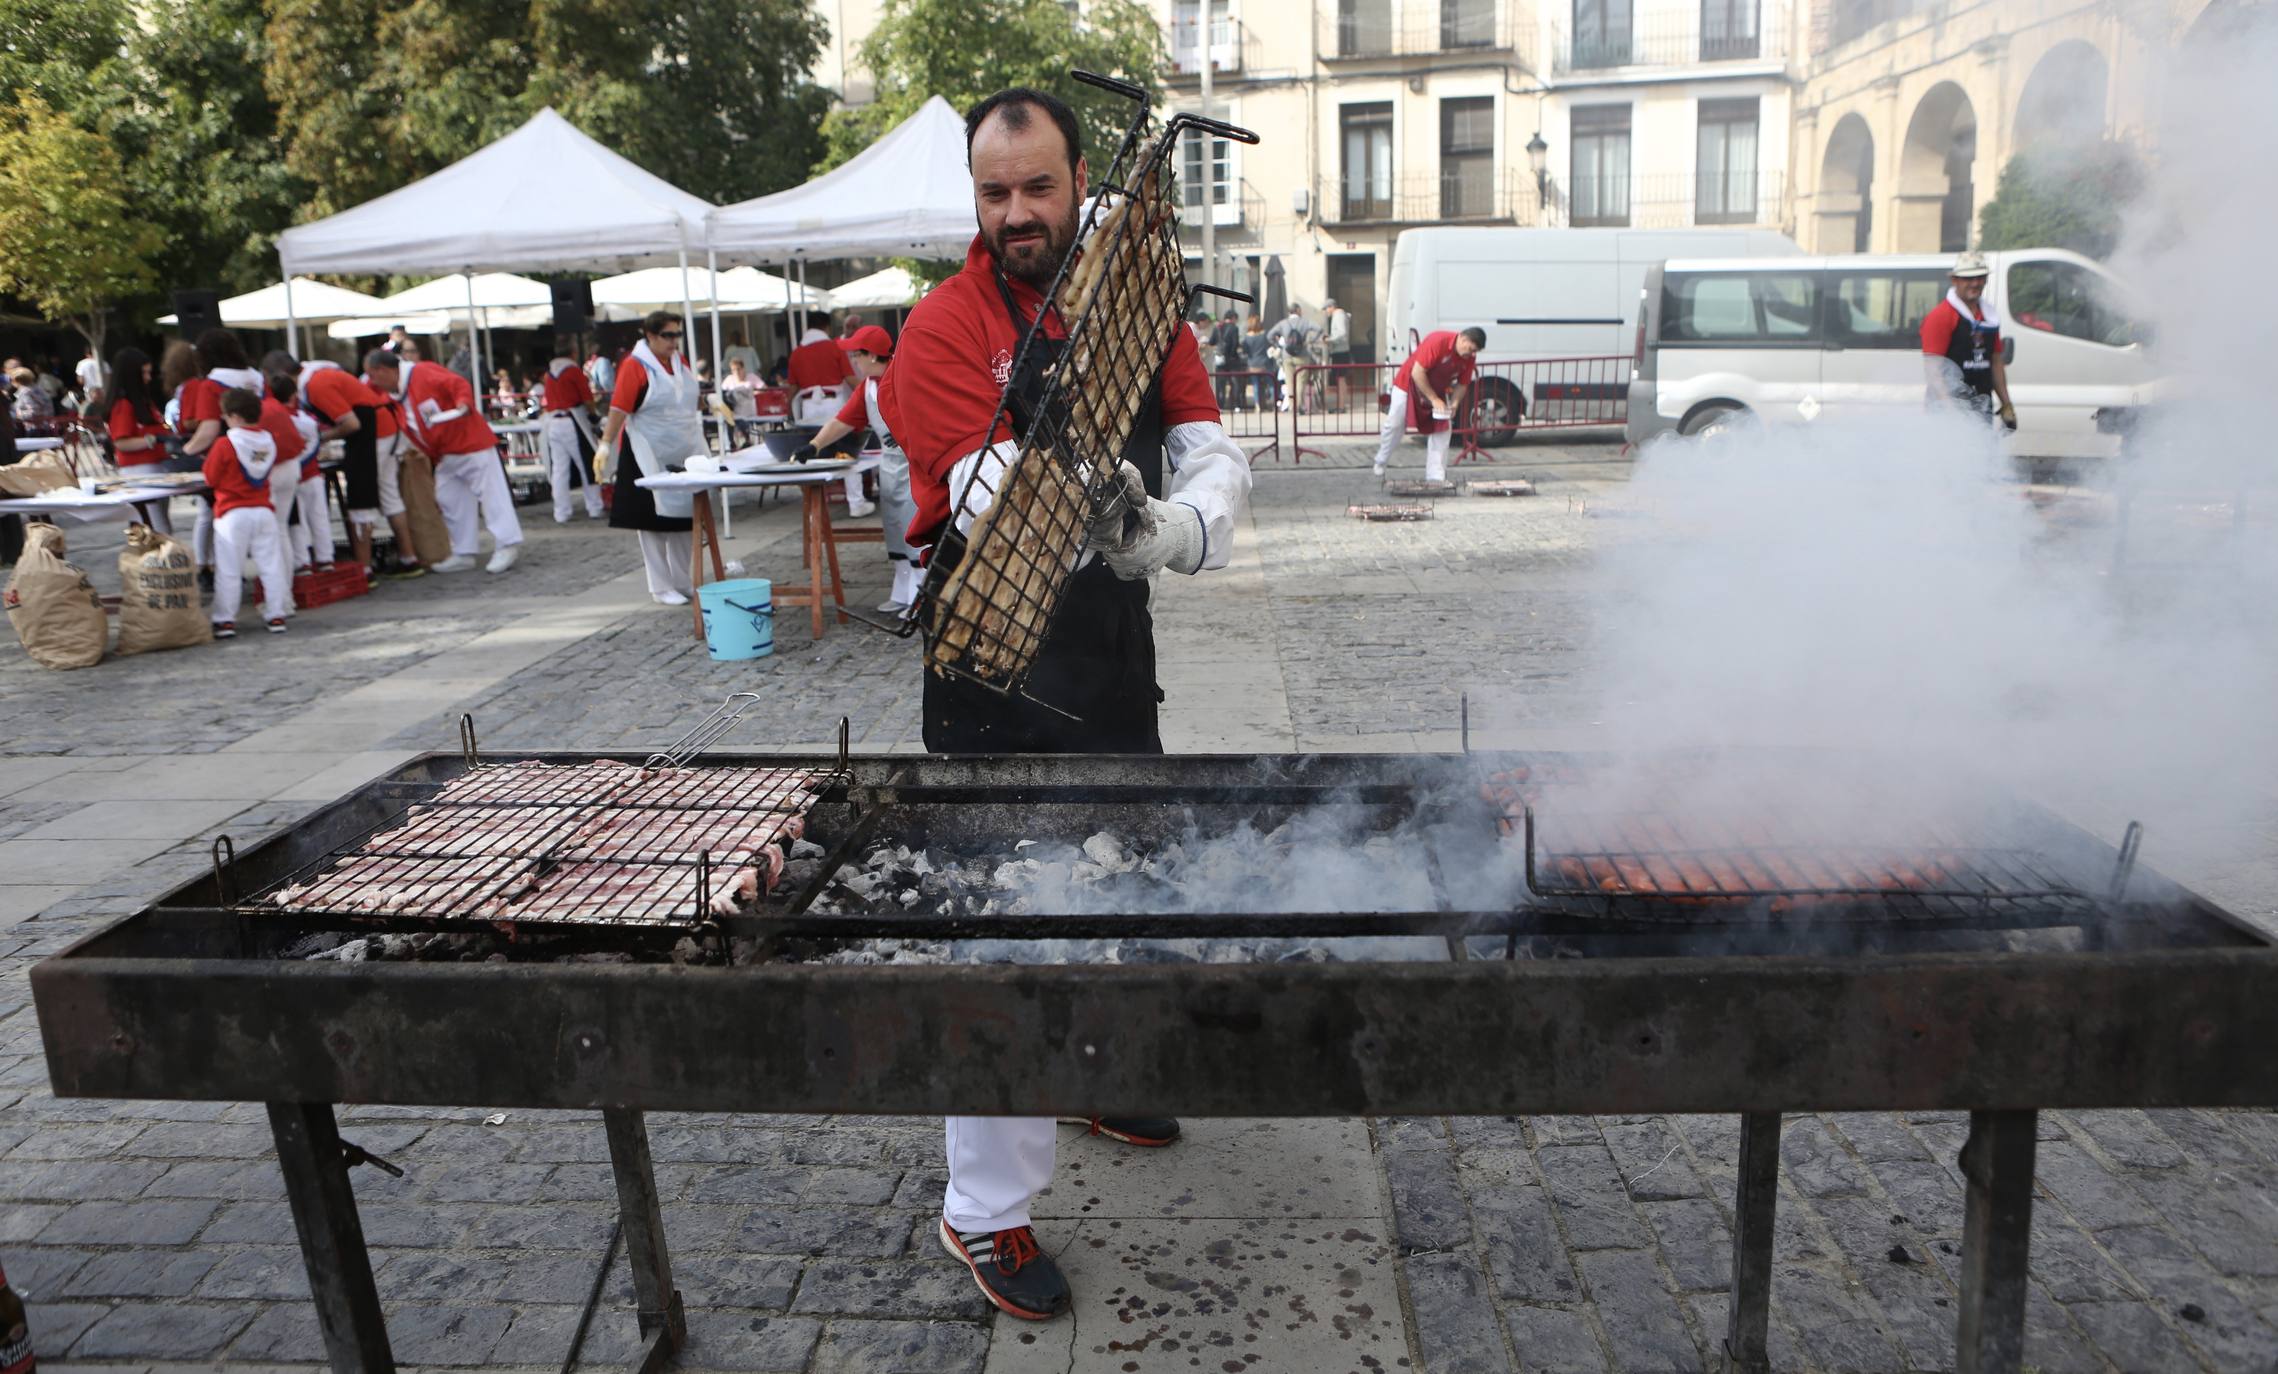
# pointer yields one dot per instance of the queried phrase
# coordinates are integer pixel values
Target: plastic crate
(312, 589)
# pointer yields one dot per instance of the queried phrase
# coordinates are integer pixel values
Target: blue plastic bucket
(739, 618)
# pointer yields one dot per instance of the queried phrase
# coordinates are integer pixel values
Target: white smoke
(1894, 590)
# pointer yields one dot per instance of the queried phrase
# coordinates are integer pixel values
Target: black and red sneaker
(1012, 1269)
(225, 629)
(1147, 1132)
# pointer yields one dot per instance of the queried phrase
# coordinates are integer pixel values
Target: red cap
(872, 339)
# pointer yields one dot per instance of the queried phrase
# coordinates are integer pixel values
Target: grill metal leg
(662, 1323)
(332, 1238)
(1749, 1319)
(1997, 1164)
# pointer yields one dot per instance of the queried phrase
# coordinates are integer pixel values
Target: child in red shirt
(245, 524)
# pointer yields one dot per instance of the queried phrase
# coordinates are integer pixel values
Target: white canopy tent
(545, 197)
(739, 290)
(275, 306)
(881, 290)
(907, 195)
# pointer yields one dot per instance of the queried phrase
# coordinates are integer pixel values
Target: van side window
(1739, 307)
(2066, 298)
(1882, 309)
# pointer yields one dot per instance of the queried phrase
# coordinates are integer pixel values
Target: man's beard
(1037, 267)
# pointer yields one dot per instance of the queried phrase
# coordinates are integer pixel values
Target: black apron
(1971, 348)
(1099, 663)
(360, 458)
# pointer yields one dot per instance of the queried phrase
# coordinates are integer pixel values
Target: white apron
(666, 429)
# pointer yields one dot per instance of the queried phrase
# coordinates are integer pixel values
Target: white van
(1840, 338)
(1541, 293)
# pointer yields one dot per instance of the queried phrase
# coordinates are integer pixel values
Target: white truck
(1542, 294)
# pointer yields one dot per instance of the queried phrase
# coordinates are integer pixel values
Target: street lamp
(1538, 158)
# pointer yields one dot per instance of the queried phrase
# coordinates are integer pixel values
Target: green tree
(333, 115)
(55, 48)
(198, 133)
(68, 242)
(711, 95)
(2066, 196)
(962, 52)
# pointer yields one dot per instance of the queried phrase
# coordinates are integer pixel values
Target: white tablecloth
(34, 443)
(718, 481)
(73, 504)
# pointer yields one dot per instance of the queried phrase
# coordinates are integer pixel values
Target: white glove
(1126, 509)
(1170, 536)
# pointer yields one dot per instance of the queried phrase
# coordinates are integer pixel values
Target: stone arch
(1937, 194)
(1845, 207)
(2064, 99)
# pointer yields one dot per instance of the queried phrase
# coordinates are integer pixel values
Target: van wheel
(1497, 412)
(1713, 419)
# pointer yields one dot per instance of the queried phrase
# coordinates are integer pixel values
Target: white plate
(778, 469)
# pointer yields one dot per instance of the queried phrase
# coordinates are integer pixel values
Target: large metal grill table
(2045, 970)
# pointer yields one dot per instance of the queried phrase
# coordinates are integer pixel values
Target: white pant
(250, 530)
(202, 533)
(896, 506)
(568, 456)
(390, 466)
(669, 562)
(466, 481)
(997, 1166)
(1396, 423)
(284, 490)
(314, 543)
(161, 518)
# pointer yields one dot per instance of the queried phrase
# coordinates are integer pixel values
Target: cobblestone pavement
(154, 1236)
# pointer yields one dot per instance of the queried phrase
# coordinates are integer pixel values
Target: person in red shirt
(820, 376)
(567, 421)
(348, 410)
(307, 527)
(237, 469)
(872, 353)
(849, 326)
(137, 426)
(439, 415)
(983, 336)
(1427, 390)
(653, 411)
(221, 365)
(292, 447)
(1961, 347)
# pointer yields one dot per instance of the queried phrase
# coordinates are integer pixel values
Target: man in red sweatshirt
(440, 415)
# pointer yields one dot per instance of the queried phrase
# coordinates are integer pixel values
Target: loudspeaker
(573, 304)
(198, 310)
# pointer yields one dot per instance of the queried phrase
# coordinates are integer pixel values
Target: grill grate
(1654, 861)
(1026, 519)
(601, 843)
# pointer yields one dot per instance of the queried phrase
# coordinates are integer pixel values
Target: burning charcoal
(1088, 873)
(806, 849)
(314, 945)
(1016, 873)
(798, 873)
(356, 951)
(1108, 852)
(599, 956)
(857, 882)
(921, 863)
(686, 951)
(908, 896)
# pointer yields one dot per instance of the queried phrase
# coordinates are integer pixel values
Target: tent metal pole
(292, 325)
(687, 309)
(719, 363)
(474, 344)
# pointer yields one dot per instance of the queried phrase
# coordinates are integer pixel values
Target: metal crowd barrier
(1246, 410)
(1348, 400)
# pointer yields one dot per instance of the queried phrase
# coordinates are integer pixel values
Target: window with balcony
(1467, 157)
(1730, 30)
(1725, 176)
(1364, 28)
(1187, 36)
(1467, 23)
(1206, 167)
(1367, 141)
(1600, 173)
(1602, 34)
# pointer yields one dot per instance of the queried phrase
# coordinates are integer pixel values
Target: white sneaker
(668, 598)
(503, 557)
(1378, 469)
(458, 562)
(891, 607)
(857, 509)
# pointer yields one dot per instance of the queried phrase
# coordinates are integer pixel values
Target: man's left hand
(1169, 537)
(2009, 417)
